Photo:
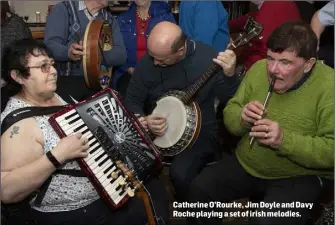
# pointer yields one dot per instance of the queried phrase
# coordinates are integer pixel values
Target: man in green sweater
(293, 151)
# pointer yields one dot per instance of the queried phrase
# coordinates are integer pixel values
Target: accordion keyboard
(112, 137)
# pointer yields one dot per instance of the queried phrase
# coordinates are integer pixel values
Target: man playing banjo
(173, 63)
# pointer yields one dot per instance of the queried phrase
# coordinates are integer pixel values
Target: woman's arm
(24, 167)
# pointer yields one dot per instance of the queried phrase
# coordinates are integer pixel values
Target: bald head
(165, 38)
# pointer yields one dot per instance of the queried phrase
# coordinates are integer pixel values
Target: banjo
(182, 113)
(97, 39)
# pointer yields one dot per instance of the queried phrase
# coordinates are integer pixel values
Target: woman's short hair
(16, 56)
(295, 36)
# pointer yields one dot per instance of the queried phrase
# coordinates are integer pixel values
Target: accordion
(121, 154)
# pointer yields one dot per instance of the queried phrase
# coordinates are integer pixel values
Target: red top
(270, 15)
(141, 40)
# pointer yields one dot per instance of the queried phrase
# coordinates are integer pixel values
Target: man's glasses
(45, 67)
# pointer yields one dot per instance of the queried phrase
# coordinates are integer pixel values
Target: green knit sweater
(306, 117)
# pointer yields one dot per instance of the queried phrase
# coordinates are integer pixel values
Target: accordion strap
(26, 112)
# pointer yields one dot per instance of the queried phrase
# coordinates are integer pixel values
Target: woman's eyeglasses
(45, 67)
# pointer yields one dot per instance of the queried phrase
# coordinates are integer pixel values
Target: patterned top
(64, 193)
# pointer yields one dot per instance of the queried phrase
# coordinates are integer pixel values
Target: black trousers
(98, 213)
(226, 181)
(189, 163)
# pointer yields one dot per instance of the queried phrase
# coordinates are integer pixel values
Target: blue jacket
(159, 11)
(205, 21)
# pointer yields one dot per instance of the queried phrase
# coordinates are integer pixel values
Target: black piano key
(85, 131)
(93, 143)
(93, 150)
(99, 153)
(103, 161)
(78, 128)
(69, 116)
(109, 168)
(122, 192)
(90, 138)
(100, 156)
(118, 187)
(74, 120)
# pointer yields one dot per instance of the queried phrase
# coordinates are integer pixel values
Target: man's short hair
(178, 42)
(16, 56)
(294, 36)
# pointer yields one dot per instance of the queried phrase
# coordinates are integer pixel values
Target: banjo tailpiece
(97, 40)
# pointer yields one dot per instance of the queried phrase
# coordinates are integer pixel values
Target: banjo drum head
(174, 110)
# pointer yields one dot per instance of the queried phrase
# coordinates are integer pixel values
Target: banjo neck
(213, 69)
(252, 29)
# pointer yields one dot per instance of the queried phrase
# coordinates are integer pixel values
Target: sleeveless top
(65, 193)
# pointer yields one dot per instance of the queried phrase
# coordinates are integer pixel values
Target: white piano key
(62, 117)
(94, 155)
(64, 122)
(94, 146)
(99, 173)
(102, 159)
(70, 130)
(82, 130)
(104, 179)
(117, 197)
(110, 187)
(90, 158)
(95, 163)
(93, 140)
(87, 135)
(67, 126)
(105, 183)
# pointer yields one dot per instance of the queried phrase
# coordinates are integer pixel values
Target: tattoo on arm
(14, 131)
